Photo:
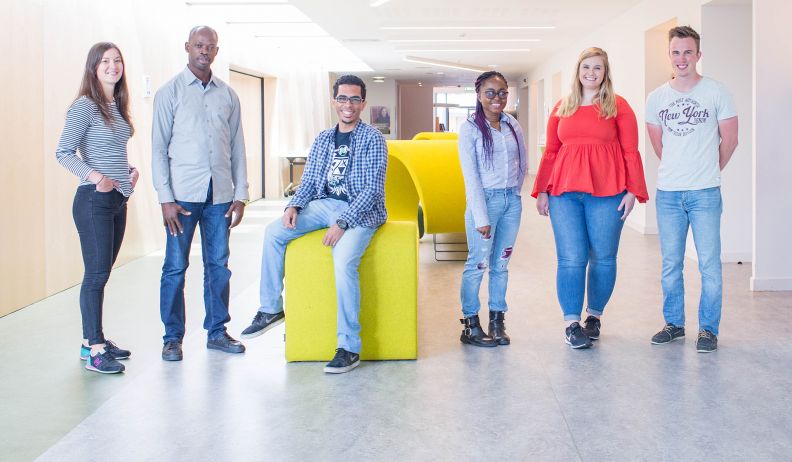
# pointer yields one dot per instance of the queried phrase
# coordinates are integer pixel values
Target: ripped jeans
(504, 208)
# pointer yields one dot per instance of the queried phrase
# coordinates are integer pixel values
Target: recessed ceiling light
(461, 40)
(492, 65)
(467, 27)
(439, 73)
(434, 62)
(376, 3)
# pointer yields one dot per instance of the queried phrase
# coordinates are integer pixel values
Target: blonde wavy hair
(605, 99)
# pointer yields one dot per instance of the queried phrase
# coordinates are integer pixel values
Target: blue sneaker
(104, 363)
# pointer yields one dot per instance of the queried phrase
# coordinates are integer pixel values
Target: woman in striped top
(98, 126)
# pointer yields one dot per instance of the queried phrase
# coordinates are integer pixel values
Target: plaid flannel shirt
(365, 177)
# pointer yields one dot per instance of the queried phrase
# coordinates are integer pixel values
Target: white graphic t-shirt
(690, 133)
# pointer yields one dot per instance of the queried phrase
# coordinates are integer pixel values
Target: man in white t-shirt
(692, 124)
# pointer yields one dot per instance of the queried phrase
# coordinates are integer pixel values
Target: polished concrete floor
(537, 399)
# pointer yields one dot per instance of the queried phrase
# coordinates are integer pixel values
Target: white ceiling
(349, 35)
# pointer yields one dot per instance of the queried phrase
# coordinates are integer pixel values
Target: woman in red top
(588, 181)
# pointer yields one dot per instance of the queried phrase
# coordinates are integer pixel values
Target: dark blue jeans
(101, 220)
(214, 250)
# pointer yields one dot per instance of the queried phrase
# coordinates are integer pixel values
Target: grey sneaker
(669, 333)
(262, 322)
(707, 342)
(575, 337)
(344, 361)
(592, 327)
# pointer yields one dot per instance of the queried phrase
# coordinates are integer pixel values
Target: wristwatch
(245, 202)
(342, 224)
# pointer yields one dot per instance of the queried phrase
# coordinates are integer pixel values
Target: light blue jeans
(587, 230)
(701, 211)
(504, 208)
(319, 214)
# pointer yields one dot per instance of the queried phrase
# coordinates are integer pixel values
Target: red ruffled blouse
(586, 153)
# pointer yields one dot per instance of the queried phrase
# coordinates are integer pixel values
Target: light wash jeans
(319, 214)
(504, 208)
(587, 230)
(701, 211)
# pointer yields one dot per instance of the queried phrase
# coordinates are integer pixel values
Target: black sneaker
(592, 327)
(262, 322)
(172, 351)
(104, 363)
(118, 353)
(707, 342)
(344, 361)
(575, 337)
(225, 343)
(669, 333)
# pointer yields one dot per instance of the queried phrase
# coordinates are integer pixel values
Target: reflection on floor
(534, 400)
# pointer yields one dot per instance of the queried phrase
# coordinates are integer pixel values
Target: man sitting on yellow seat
(343, 189)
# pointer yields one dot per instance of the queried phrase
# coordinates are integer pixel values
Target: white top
(691, 138)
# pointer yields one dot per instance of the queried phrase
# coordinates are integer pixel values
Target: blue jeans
(587, 230)
(504, 209)
(100, 218)
(214, 251)
(319, 214)
(701, 211)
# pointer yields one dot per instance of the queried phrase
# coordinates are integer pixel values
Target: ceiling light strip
(455, 50)
(467, 27)
(461, 40)
(434, 62)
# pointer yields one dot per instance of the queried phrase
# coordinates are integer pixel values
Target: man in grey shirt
(198, 164)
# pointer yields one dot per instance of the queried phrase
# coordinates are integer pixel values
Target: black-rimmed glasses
(342, 99)
(491, 94)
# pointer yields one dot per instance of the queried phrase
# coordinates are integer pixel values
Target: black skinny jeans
(101, 221)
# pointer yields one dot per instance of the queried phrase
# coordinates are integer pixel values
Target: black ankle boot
(473, 334)
(497, 328)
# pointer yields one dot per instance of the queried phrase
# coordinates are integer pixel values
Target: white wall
(772, 156)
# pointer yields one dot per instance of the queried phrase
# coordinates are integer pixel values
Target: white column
(772, 151)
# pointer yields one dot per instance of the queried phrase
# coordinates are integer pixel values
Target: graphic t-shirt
(690, 133)
(336, 177)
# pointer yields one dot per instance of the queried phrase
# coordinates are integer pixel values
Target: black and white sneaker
(575, 337)
(104, 363)
(262, 322)
(592, 327)
(669, 333)
(707, 342)
(344, 361)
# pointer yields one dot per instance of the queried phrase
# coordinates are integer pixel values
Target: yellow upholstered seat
(436, 136)
(388, 296)
(429, 172)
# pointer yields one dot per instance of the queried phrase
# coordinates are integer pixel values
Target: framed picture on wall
(380, 119)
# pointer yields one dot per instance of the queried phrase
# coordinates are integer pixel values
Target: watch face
(342, 224)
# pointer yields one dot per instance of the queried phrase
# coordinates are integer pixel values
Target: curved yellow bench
(435, 136)
(428, 172)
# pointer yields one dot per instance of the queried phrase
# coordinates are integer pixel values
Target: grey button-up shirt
(197, 137)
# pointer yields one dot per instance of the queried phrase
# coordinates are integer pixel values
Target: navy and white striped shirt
(102, 147)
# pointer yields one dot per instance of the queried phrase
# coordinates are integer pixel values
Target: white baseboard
(734, 257)
(771, 284)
